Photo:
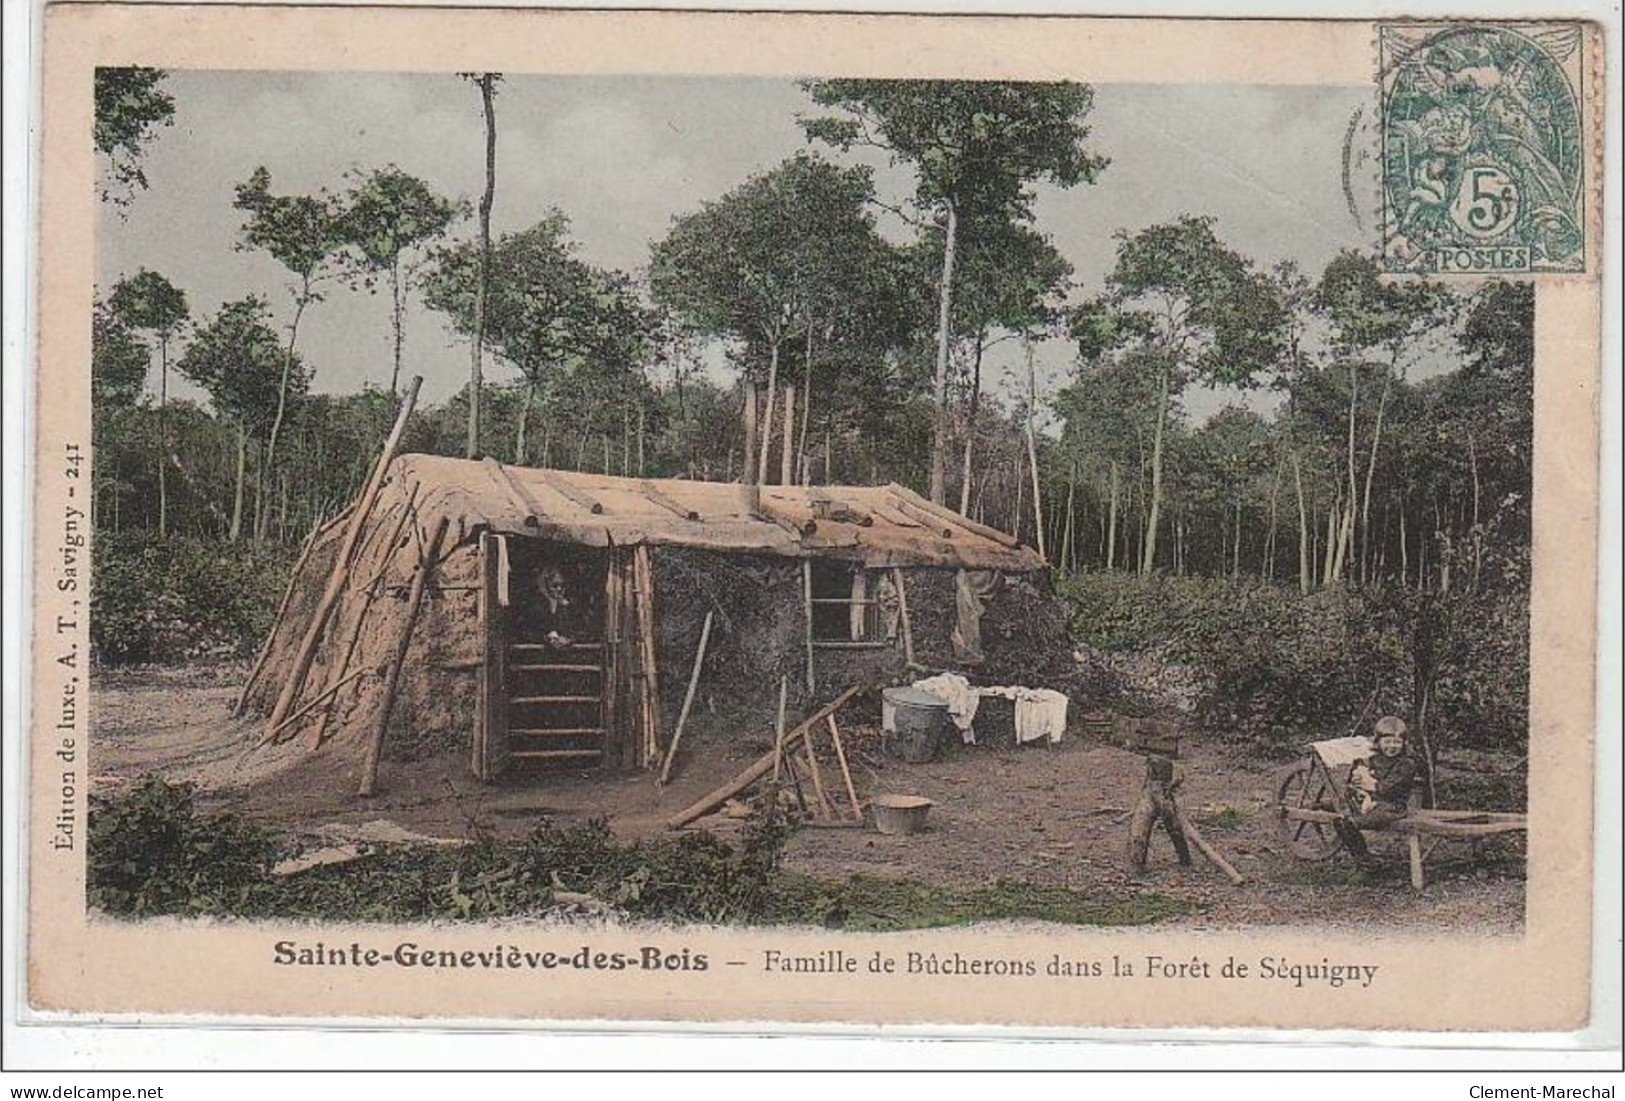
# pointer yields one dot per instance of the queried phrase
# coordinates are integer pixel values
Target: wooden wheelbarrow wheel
(1303, 786)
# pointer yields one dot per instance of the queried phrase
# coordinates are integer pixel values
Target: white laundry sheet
(1040, 712)
(961, 698)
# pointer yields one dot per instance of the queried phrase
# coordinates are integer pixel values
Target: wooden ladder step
(567, 668)
(556, 732)
(554, 699)
(555, 754)
(545, 646)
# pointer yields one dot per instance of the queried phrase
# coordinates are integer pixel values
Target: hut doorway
(544, 697)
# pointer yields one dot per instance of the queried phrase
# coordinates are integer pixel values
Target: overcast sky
(621, 156)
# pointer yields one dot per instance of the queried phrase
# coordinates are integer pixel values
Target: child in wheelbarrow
(1379, 789)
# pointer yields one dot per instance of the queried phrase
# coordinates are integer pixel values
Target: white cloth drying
(962, 700)
(1040, 712)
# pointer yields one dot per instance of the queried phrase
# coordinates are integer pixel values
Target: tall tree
(977, 148)
(1370, 316)
(149, 302)
(389, 216)
(130, 107)
(237, 358)
(305, 234)
(547, 312)
(1187, 308)
(487, 85)
(786, 261)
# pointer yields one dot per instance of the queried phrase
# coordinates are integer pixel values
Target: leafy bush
(177, 599)
(151, 853)
(1285, 668)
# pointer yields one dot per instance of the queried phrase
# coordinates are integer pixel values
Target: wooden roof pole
(914, 500)
(341, 565)
(392, 682)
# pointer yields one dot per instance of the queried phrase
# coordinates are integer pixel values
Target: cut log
(655, 494)
(562, 486)
(807, 612)
(911, 500)
(392, 681)
(688, 699)
(341, 565)
(760, 768)
(1206, 849)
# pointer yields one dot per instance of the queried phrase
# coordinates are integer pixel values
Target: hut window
(844, 609)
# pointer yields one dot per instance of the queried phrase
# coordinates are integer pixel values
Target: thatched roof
(876, 525)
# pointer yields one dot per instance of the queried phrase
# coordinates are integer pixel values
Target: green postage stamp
(1483, 148)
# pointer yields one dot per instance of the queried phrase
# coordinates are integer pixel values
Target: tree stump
(1156, 806)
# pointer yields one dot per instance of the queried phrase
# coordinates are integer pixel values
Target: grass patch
(1227, 820)
(871, 904)
(152, 852)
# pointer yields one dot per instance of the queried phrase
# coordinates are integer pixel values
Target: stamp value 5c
(1483, 148)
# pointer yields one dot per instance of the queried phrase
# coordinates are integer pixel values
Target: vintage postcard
(815, 519)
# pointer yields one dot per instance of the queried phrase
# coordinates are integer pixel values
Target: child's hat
(1390, 725)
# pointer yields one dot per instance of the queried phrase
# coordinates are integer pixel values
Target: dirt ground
(1041, 814)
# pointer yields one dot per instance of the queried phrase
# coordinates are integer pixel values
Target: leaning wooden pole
(763, 765)
(688, 699)
(392, 680)
(341, 565)
(241, 705)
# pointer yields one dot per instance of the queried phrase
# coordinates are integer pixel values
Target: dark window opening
(845, 608)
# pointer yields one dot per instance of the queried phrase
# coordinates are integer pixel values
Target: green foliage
(301, 232)
(150, 852)
(1285, 668)
(118, 361)
(238, 359)
(147, 300)
(130, 106)
(976, 144)
(180, 599)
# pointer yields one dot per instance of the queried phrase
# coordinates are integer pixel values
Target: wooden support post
(688, 698)
(807, 607)
(778, 729)
(392, 681)
(370, 589)
(1414, 845)
(341, 565)
(846, 773)
(762, 767)
(811, 752)
(241, 705)
(902, 610)
(643, 582)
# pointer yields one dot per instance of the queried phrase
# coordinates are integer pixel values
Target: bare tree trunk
(787, 453)
(1148, 557)
(163, 436)
(1235, 564)
(487, 84)
(396, 320)
(748, 472)
(806, 403)
(939, 388)
(236, 532)
(1370, 471)
(261, 505)
(1068, 540)
(1266, 569)
(1111, 522)
(767, 416)
(643, 418)
(1334, 542)
(1404, 545)
(970, 427)
(520, 433)
(1306, 566)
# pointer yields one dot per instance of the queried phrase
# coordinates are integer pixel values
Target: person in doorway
(1380, 789)
(554, 614)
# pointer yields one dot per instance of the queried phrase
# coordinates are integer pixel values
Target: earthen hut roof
(875, 525)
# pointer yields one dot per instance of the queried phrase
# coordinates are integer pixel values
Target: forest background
(1306, 483)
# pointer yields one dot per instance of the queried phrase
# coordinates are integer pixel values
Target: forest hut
(530, 615)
